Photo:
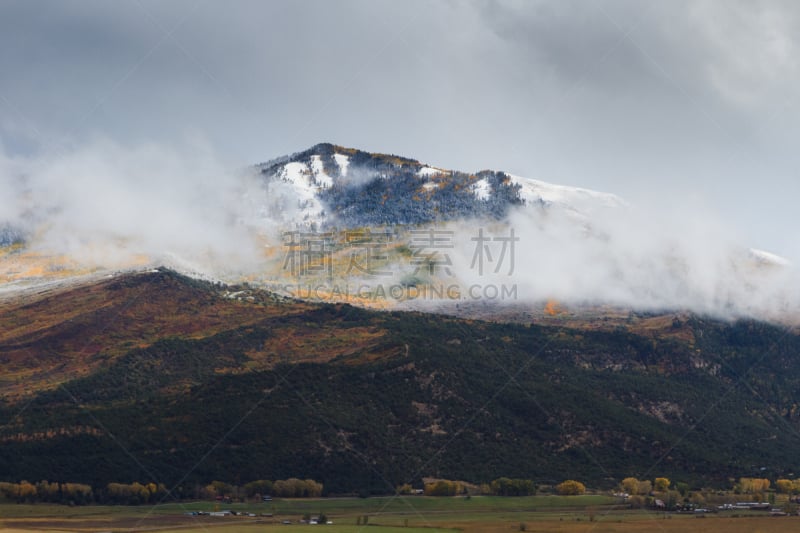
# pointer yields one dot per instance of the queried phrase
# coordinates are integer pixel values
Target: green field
(328, 529)
(402, 504)
(416, 514)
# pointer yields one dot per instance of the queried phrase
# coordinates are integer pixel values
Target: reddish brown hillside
(67, 333)
(71, 332)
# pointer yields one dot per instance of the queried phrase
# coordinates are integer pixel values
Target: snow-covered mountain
(332, 185)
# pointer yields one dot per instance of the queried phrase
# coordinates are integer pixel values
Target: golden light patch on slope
(19, 264)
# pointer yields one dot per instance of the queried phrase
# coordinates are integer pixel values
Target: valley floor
(597, 514)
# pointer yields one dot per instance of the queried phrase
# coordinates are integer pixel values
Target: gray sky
(687, 104)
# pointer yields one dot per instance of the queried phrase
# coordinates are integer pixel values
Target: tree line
(638, 493)
(662, 493)
(141, 493)
(502, 486)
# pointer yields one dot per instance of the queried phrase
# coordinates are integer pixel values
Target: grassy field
(401, 504)
(596, 514)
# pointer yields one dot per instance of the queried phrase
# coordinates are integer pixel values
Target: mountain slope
(77, 330)
(231, 383)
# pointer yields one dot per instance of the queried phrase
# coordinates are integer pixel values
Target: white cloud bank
(675, 258)
(103, 204)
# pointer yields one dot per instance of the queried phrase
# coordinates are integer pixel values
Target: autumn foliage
(444, 487)
(570, 487)
(45, 491)
(752, 485)
(661, 484)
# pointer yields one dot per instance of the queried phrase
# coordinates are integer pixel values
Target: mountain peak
(332, 184)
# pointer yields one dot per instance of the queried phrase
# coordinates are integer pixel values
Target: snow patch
(768, 258)
(482, 189)
(343, 161)
(533, 191)
(296, 199)
(429, 171)
(318, 169)
(294, 172)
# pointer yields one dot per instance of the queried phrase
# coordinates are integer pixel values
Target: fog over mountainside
(105, 206)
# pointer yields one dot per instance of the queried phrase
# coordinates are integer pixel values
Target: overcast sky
(680, 103)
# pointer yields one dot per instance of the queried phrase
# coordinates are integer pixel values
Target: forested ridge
(366, 401)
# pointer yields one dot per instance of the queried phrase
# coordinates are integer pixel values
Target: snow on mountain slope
(293, 196)
(330, 181)
(429, 171)
(573, 197)
(318, 172)
(767, 259)
(299, 177)
(482, 189)
(343, 161)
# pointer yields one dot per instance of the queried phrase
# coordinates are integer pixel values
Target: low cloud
(678, 258)
(104, 203)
